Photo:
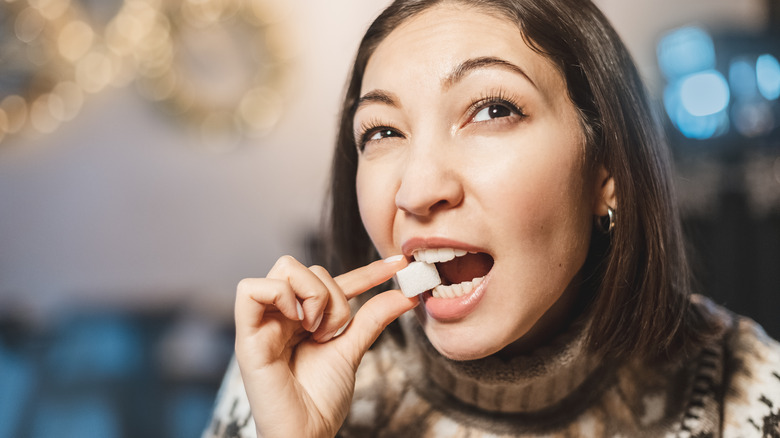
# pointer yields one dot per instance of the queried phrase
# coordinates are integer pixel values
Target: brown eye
(376, 134)
(492, 111)
(382, 133)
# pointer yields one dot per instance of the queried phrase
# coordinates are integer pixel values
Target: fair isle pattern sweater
(404, 388)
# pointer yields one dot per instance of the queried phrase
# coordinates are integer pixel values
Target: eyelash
(368, 129)
(499, 97)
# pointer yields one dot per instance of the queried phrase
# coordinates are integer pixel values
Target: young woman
(514, 136)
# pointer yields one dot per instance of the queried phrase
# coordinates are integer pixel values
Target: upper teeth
(438, 255)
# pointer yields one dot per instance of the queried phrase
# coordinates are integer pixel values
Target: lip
(415, 243)
(448, 309)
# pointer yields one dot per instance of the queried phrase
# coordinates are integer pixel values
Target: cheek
(377, 207)
(543, 200)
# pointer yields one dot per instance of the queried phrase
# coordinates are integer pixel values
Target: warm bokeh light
(3, 124)
(15, 108)
(51, 9)
(167, 47)
(259, 110)
(72, 98)
(202, 13)
(75, 39)
(28, 25)
(41, 115)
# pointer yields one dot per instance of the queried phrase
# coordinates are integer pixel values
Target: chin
(463, 347)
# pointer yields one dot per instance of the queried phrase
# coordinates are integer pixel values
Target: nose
(430, 182)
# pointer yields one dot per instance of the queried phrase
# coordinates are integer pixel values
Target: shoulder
(751, 392)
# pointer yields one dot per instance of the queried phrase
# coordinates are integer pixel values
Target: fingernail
(394, 258)
(316, 324)
(300, 310)
(341, 330)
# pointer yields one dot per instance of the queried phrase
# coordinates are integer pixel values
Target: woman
(497, 130)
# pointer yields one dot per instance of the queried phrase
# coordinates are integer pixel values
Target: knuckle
(317, 269)
(243, 286)
(341, 306)
(285, 261)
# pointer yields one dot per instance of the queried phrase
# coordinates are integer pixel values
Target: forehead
(435, 41)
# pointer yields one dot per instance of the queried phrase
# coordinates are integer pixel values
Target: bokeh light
(75, 40)
(160, 45)
(15, 108)
(700, 127)
(704, 93)
(768, 76)
(51, 9)
(28, 25)
(3, 124)
(685, 51)
(742, 77)
(753, 118)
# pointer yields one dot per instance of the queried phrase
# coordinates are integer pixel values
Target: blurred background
(155, 152)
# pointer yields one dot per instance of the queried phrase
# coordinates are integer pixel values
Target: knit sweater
(405, 388)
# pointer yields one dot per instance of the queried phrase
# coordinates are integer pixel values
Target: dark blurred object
(110, 375)
(722, 106)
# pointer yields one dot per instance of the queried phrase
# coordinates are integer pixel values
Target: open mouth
(460, 271)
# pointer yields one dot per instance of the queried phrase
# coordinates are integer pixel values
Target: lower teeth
(456, 290)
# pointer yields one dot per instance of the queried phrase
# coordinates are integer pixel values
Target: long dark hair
(639, 274)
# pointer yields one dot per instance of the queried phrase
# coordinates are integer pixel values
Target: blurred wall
(125, 206)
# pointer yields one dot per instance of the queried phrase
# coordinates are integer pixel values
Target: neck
(552, 324)
(512, 383)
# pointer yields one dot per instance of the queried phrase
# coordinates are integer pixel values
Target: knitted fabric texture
(404, 388)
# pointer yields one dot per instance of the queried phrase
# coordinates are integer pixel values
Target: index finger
(357, 281)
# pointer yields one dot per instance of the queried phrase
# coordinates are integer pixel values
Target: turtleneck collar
(523, 384)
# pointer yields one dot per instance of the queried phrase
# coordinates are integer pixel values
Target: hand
(298, 376)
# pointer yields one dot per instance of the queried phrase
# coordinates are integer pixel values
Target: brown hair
(637, 276)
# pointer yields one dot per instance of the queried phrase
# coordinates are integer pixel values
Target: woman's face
(469, 142)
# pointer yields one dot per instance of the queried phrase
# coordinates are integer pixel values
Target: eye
(375, 134)
(493, 111)
(380, 133)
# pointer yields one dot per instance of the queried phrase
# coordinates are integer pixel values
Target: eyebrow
(377, 96)
(466, 67)
(458, 73)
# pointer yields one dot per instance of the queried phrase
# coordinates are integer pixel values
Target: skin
(513, 183)
(512, 186)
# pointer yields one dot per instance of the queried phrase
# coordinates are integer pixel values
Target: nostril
(440, 205)
(426, 189)
(427, 209)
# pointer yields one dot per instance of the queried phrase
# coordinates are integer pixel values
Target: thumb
(371, 319)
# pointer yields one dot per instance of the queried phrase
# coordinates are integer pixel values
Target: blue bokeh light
(768, 76)
(17, 380)
(742, 77)
(96, 348)
(81, 416)
(704, 93)
(700, 127)
(685, 51)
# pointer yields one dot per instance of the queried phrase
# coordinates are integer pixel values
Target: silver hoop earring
(609, 219)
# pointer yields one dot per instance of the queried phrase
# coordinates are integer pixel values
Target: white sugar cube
(417, 278)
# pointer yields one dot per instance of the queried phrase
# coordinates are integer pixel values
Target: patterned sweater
(404, 388)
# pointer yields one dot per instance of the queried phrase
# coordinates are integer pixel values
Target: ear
(605, 192)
